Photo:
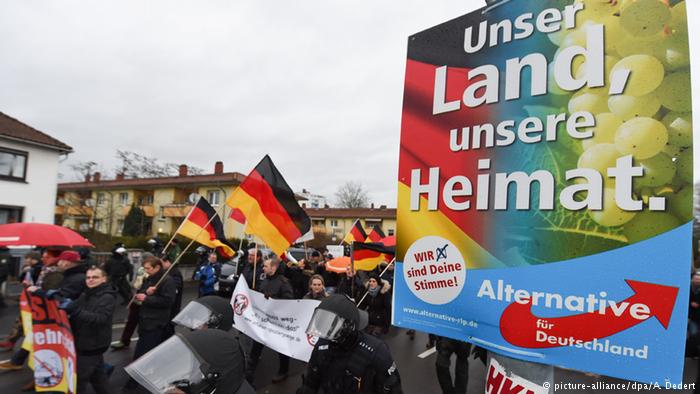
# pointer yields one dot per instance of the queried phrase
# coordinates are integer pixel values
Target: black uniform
(362, 365)
(119, 268)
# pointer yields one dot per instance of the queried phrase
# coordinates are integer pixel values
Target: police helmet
(336, 317)
(209, 311)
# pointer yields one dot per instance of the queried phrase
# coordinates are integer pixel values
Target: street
(416, 365)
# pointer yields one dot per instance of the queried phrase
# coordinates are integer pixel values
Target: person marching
(275, 286)
(119, 268)
(91, 322)
(154, 312)
(317, 289)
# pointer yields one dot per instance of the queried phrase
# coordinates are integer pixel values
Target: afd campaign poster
(546, 184)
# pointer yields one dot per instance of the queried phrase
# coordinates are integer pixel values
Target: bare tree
(136, 165)
(82, 169)
(352, 195)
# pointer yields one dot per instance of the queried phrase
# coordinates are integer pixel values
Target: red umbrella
(40, 234)
(338, 264)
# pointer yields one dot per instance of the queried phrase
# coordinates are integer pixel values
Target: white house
(28, 172)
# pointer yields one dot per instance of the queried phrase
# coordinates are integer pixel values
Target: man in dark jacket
(156, 303)
(273, 286)
(119, 268)
(253, 269)
(91, 323)
(72, 284)
(154, 313)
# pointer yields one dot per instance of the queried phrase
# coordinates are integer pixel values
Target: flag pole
(352, 268)
(177, 259)
(165, 248)
(346, 234)
(380, 275)
(255, 264)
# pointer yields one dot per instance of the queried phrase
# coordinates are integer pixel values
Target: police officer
(119, 269)
(211, 312)
(214, 357)
(345, 360)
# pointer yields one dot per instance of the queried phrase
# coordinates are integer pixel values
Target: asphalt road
(415, 363)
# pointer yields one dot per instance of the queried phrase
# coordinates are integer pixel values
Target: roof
(12, 128)
(229, 178)
(353, 213)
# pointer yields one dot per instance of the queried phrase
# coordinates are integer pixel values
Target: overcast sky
(316, 84)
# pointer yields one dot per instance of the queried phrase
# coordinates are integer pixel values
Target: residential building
(29, 162)
(312, 200)
(337, 222)
(102, 205)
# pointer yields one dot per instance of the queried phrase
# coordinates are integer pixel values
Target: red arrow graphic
(519, 326)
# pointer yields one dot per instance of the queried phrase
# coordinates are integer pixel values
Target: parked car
(300, 253)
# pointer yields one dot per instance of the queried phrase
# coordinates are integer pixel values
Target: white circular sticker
(434, 270)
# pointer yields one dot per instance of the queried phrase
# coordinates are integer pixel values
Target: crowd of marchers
(354, 314)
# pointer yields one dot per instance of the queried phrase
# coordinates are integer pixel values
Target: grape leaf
(541, 236)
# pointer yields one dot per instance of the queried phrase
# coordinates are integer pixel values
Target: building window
(13, 164)
(146, 200)
(334, 223)
(10, 214)
(100, 198)
(390, 232)
(98, 224)
(123, 198)
(213, 197)
(120, 226)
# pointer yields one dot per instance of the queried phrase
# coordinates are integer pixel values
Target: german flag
(356, 233)
(269, 206)
(367, 255)
(203, 225)
(375, 234)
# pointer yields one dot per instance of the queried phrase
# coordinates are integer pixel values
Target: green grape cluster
(651, 119)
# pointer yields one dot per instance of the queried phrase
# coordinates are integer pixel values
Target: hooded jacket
(91, 319)
(378, 307)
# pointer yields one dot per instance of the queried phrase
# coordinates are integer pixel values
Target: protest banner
(336, 250)
(277, 324)
(545, 184)
(49, 340)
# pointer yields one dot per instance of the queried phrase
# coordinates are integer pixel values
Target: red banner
(50, 341)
